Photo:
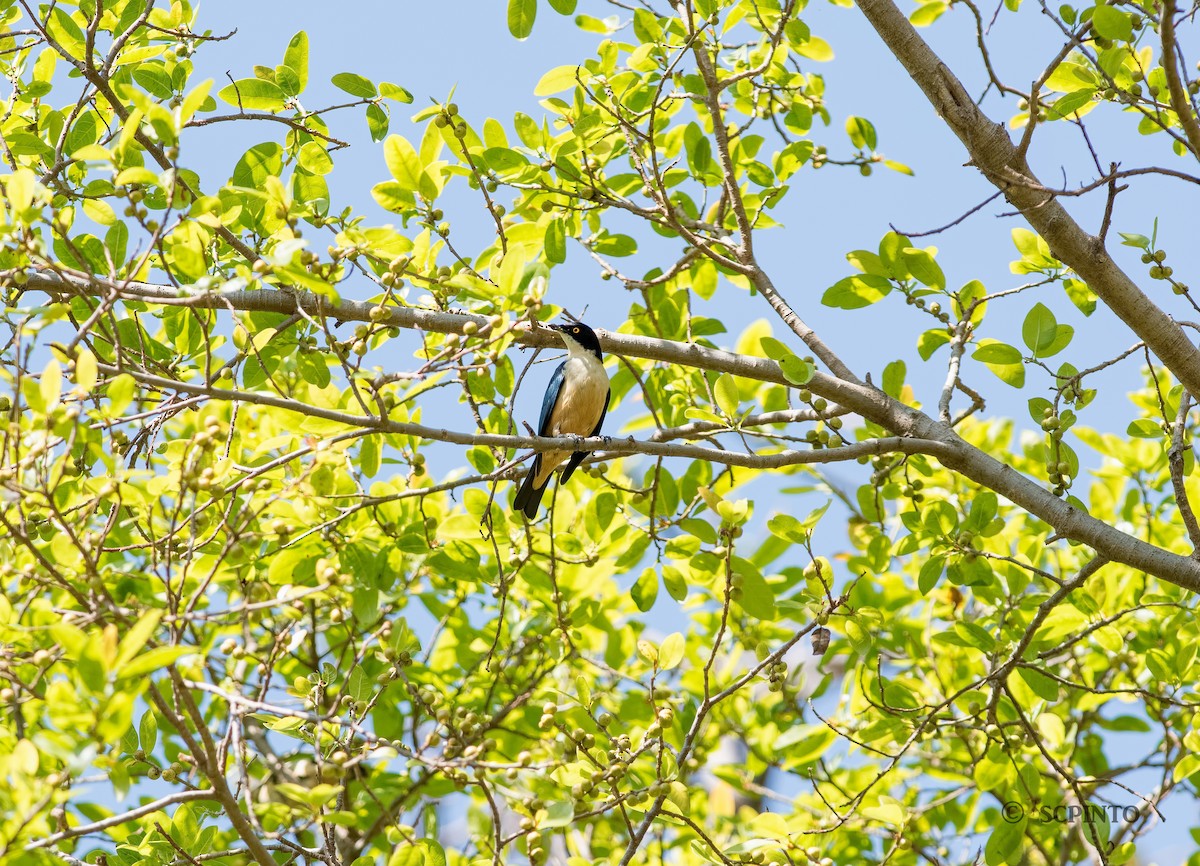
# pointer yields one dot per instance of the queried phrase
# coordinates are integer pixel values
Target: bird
(575, 404)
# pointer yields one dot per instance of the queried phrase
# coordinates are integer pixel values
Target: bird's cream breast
(581, 401)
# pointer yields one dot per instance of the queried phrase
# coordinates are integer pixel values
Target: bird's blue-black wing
(552, 390)
(578, 456)
(529, 496)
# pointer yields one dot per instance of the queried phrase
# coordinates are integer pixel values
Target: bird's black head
(581, 334)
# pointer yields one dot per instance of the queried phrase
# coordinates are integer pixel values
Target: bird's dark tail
(529, 496)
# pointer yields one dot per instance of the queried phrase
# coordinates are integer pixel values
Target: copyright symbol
(1012, 811)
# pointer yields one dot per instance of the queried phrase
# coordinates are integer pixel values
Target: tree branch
(1180, 103)
(903, 421)
(608, 445)
(131, 815)
(993, 153)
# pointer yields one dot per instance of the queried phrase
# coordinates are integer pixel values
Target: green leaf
(63, 29)
(1081, 295)
(257, 164)
(867, 262)
(927, 13)
(556, 242)
(1187, 766)
(1040, 684)
(670, 651)
(86, 372)
(148, 731)
(995, 352)
(557, 80)
(286, 78)
(922, 265)
(699, 150)
(1073, 102)
(153, 659)
(50, 384)
(368, 456)
(295, 57)
(645, 590)
(975, 635)
(154, 79)
(674, 583)
(969, 297)
(136, 637)
(983, 509)
(377, 121)
(313, 157)
(1111, 23)
(787, 527)
(403, 162)
(893, 378)
(254, 94)
(930, 341)
(1070, 76)
(184, 249)
(1003, 360)
(891, 253)
(757, 598)
(648, 652)
(357, 685)
(1004, 843)
(861, 132)
(774, 349)
(796, 370)
(1062, 338)
(355, 85)
(704, 278)
(119, 394)
(855, 292)
(815, 48)
(394, 92)
(1145, 428)
(726, 392)
(1040, 330)
(503, 159)
(521, 14)
(615, 245)
(563, 7)
(931, 573)
(391, 196)
(559, 813)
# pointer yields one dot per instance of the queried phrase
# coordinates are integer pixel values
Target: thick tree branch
(1177, 89)
(994, 154)
(865, 400)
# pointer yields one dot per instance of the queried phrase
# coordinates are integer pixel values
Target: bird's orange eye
(576, 330)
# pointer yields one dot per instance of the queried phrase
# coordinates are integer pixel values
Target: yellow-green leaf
(85, 369)
(137, 636)
(50, 385)
(726, 392)
(558, 79)
(670, 651)
(20, 186)
(521, 15)
(403, 162)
